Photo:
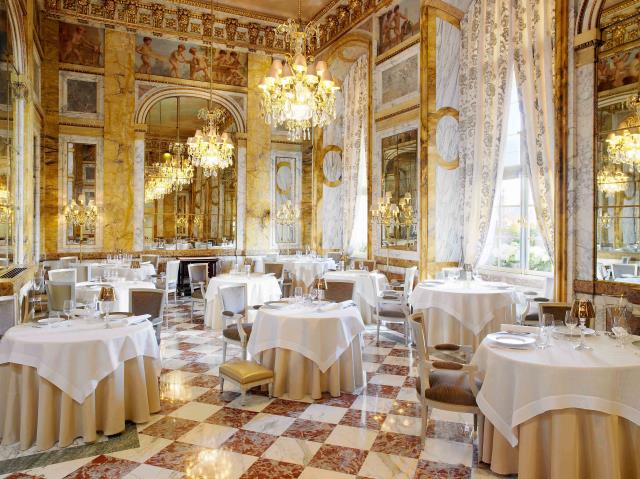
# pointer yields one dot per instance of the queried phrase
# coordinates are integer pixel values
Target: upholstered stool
(246, 375)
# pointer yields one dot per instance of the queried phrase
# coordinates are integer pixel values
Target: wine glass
(361, 265)
(297, 293)
(571, 322)
(67, 308)
(620, 327)
(105, 308)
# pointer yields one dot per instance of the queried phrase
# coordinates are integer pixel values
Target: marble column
(258, 164)
(138, 195)
(119, 137)
(308, 237)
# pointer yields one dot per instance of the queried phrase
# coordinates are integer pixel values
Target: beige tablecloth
(33, 410)
(567, 444)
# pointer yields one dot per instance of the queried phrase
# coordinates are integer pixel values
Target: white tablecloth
(473, 303)
(306, 269)
(260, 289)
(364, 293)
(87, 290)
(124, 270)
(521, 384)
(75, 355)
(321, 336)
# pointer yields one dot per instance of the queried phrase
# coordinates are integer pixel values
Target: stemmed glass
(361, 265)
(581, 310)
(297, 294)
(67, 308)
(571, 322)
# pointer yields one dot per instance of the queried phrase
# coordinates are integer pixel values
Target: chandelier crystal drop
(209, 149)
(297, 95)
(170, 175)
(611, 180)
(624, 149)
(287, 214)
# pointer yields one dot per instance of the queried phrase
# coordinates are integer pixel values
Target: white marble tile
(356, 437)
(149, 446)
(450, 452)
(195, 411)
(388, 466)
(315, 473)
(296, 451)
(145, 471)
(253, 402)
(373, 404)
(60, 470)
(269, 424)
(408, 394)
(443, 415)
(322, 413)
(402, 424)
(376, 350)
(208, 435)
(387, 379)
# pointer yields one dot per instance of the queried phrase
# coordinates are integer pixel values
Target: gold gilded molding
(72, 67)
(321, 156)
(190, 83)
(436, 117)
(455, 13)
(408, 43)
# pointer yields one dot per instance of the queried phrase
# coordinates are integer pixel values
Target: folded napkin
(330, 307)
(131, 320)
(516, 328)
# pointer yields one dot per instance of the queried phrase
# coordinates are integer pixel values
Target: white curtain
(356, 111)
(485, 78)
(533, 35)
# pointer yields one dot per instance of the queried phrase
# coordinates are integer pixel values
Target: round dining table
(123, 270)
(260, 289)
(310, 348)
(87, 290)
(75, 378)
(464, 312)
(364, 291)
(559, 413)
(305, 268)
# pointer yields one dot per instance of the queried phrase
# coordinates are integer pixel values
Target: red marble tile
(249, 442)
(400, 353)
(102, 467)
(344, 400)
(399, 444)
(363, 419)
(170, 427)
(169, 405)
(340, 459)
(410, 382)
(450, 431)
(268, 469)
(386, 344)
(184, 346)
(22, 475)
(406, 408)
(190, 356)
(204, 381)
(393, 369)
(373, 358)
(231, 417)
(196, 367)
(176, 456)
(216, 398)
(284, 407)
(381, 390)
(439, 470)
(309, 430)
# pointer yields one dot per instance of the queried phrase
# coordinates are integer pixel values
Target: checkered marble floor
(205, 434)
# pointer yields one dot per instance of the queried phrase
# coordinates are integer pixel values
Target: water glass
(543, 340)
(571, 322)
(314, 294)
(297, 293)
(247, 269)
(67, 307)
(321, 295)
(360, 265)
(547, 320)
(620, 329)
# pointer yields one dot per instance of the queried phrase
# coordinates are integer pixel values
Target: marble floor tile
(286, 407)
(309, 430)
(322, 413)
(145, 471)
(349, 436)
(338, 458)
(249, 442)
(387, 379)
(394, 443)
(269, 424)
(264, 468)
(373, 404)
(315, 473)
(378, 465)
(60, 470)
(296, 451)
(170, 427)
(104, 466)
(149, 446)
(208, 435)
(451, 452)
(438, 470)
(402, 424)
(195, 411)
(231, 417)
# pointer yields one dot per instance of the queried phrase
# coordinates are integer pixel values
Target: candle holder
(583, 310)
(107, 297)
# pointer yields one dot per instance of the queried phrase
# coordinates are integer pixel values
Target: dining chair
(198, 281)
(151, 302)
(169, 281)
(7, 314)
(339, 291)
(250, 262)
(64, 275)
(335, 256)
(83, 272)
(558, 310)
(58, 292)
(406, 285)
(277, 269)
(225, 266)
(150, 258)
(368, 264)
(444, 385)
(67, 261)
(287, 284)
(390, 309)
(234, 305)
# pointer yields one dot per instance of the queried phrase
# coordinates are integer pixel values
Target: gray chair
(276, 269)
(66, 275)
(234, 305)
(151, 302)
(444, 384)
(150, 258)
(169, 281)
(339, 291)
(83, 272)
(620, 269)
(390, 308)
(58, 292)
(198, 281)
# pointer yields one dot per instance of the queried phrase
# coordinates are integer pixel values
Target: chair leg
(221, 385)
(270, 390)
(424, 423)
(480, 435)
(378, 331)
(224, 351)
(191, 312)
(243, 397)
(475, 423)
(244, 352)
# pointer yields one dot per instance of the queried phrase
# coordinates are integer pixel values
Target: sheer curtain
(533, 35)
(354, 153)
(484, 86)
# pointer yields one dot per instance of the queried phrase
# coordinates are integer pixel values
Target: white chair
(390, 308)
(406, 285)
(68, 275)
(67, 261)
(444, 384)
(198, 281)
(170, 281)
(620, 269)
(234, 305)
(83, 272)
(58, 292)
(96, 272)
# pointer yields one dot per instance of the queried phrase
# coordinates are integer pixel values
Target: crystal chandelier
(287, 214)
(612, 180)
(209, 149)
(171, 175)
(295, 94)
(625, 148)
(81, 215)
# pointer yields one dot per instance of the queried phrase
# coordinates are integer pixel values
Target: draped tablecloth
(580, 401)
(74, 379)
(85, 292)
(310, 349)
(306, 269)
(260, 289)
(364, 292)
(464, 312)
(125, 271)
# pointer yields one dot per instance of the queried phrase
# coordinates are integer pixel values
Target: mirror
(400, 187)
(8, 78)
(202, 213)
(287, 213)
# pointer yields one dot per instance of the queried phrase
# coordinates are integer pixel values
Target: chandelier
(175, 172)
(612, 180)
(388, 213)
(209, 149)
(625, 148)
(295, 94)
(81, 215)
(287, 214)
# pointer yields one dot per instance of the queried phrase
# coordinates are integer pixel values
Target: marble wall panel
(138, 195)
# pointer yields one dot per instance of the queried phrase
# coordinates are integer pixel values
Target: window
(515, 240)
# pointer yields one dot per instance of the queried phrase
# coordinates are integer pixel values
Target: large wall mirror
(202, 212)
(400, 184)
(8, 78)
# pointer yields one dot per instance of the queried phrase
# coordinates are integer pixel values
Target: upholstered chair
(234, 305)
(68, 275)
(198, 281)
(151, 302)
(58, 292)
(339, 291)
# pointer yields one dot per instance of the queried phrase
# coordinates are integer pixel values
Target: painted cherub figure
(175, 58)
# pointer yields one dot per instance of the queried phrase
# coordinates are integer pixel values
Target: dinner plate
(508, 340)
(49, 321)
(276, 304)
(567, 332)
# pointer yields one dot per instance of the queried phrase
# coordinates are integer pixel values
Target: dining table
(123, 270)
(305, 269)
(311, 347)
(464, 312)
(86, 291)
(559, 412)
(76, 378)
(260, 289)
(364, 290)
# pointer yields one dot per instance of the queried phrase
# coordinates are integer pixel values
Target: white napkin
(330, 307)
(516, 328)
(131, 320)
